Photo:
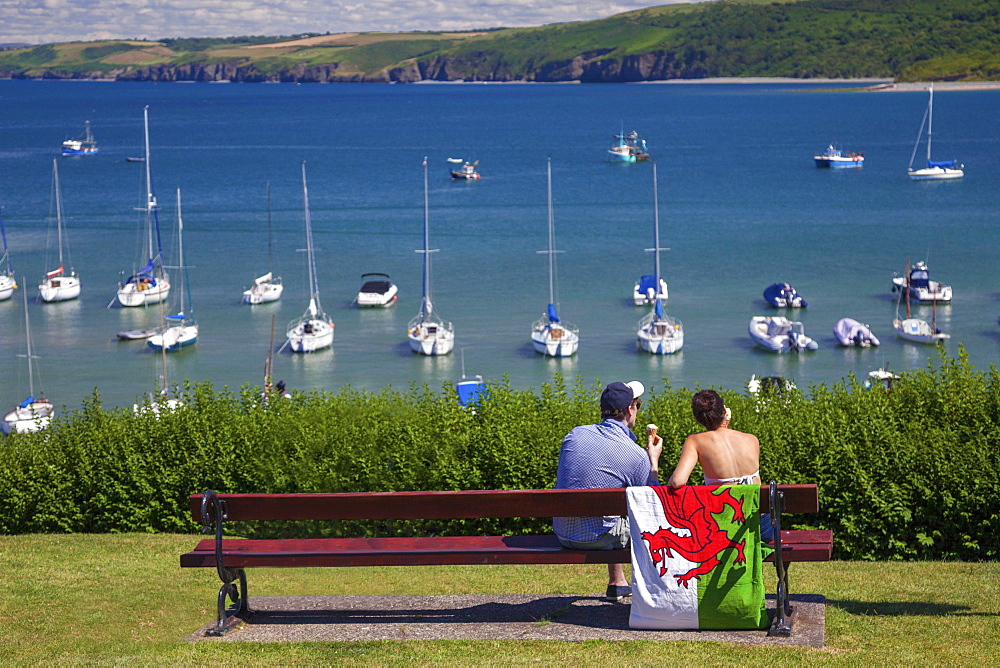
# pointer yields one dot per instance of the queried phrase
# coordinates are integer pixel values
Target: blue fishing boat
(835, 158)
(628, 148)
(84, 144)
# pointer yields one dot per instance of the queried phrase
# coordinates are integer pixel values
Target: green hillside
(904, 39)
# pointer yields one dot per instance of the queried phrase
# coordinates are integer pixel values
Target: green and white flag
(696, 557)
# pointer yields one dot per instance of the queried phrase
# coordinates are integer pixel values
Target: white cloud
(43, 21)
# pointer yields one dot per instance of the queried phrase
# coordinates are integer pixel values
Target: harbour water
(741, 207)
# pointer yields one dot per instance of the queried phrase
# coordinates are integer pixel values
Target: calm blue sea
(741, 206)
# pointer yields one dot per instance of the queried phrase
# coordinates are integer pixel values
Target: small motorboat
(919, 285)
(782, 295)
(881, 377)
(779, 334)
(136, 334)
(850, 332)
(376, 291)
(467, 172)
(834, 158)
(644, 292)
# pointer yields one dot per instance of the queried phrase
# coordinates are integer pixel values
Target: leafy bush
(907, 474)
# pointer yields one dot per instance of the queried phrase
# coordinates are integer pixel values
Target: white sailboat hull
(7, 287)
(660, 336)
(263, 293)
(142, 294)
(59, 288)
(918, 331)
(174, 338)
(554, 339)
(431, 339)
(31, 418)
(308, 335)
(935, 174)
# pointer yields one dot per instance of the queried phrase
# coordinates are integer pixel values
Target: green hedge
(907, 474)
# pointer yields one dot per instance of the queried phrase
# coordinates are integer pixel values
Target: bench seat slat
(455, 504)
(445, 550)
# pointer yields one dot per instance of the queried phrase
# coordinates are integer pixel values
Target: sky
(44, 21)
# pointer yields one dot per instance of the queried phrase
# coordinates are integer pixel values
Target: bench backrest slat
(466, 504)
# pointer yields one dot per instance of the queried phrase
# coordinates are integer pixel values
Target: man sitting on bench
(602, 456)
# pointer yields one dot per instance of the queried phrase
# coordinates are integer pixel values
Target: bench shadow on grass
(905, 609)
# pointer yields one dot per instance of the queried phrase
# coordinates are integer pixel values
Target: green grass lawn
(123, 600)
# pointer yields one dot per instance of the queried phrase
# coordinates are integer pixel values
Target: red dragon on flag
(690, 509)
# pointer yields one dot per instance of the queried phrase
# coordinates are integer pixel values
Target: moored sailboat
(268, 287)
(58, 286)
(181, 330)
(658, 333)
(551, 336)
(7, 281)
(935, 170)
(314, 329)
(427, 332)
(34, 413)
(916, 329)
(151, 284)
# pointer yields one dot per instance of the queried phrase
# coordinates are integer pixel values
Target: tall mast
(314, 305)
(930, 121)
(426, 307)
(151, 208)
(269, 233)
(656, 231)
(55, 184)
(552, 253)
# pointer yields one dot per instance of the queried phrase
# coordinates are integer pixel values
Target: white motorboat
(850, 332)
(314, 329)
(59, 286)
(427, 332)
(779, 334)
(268, 287)
(181, 330)
(34, 413)
(467, 172)
(628, 148)
(151, 284)
(644, 293)
(7, 281)
(658, 333)
(550, 336)
(376, 291)
(935, 170)
(918, 286)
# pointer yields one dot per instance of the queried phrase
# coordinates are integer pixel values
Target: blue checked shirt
(599, 456)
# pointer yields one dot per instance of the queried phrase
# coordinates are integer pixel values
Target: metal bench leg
(213, 512)
(783, 617)
(226, 620)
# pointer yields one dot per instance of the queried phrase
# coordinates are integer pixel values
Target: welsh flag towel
(696, 557)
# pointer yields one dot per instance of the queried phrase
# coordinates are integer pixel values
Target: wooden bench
(232, 556)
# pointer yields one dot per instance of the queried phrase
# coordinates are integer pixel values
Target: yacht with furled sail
(151, 284)
(83, 144)
(427, 332)
(267, 287)
(7, 281)
(551, 336)
(181, 330)
(658, 333)
(34, 413)
(58, 285)
(314, 329)
(935, 170)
